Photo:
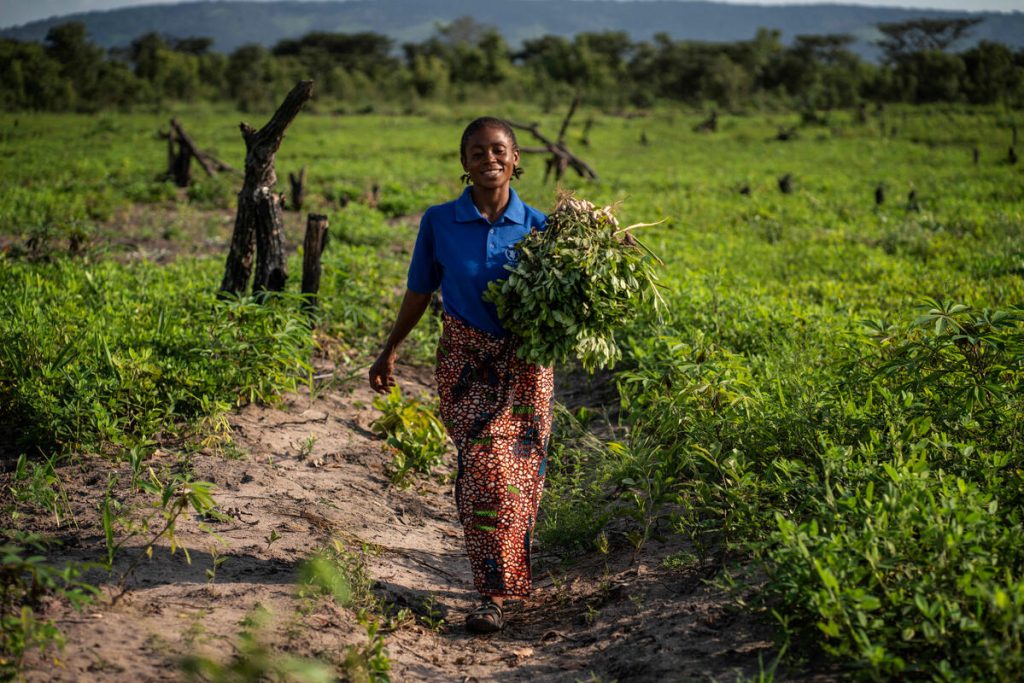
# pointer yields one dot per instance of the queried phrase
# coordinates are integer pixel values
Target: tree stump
(179, 160)
(258, 222)
(912, 204)
(585, 137)
(271, 268)
(786, 184)
(298, 183)
(708, 125)
(880, 195)
(312, 249)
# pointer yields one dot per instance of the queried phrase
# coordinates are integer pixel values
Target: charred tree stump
(912, 204)
(708, 125)
(585, 137)
(189, 147)
(271, 269)
(787, 134)
(180, 152)
(560, 159)
(312, 250)
(879, 195)
(258, 222)
(179, 160)
(298, 183)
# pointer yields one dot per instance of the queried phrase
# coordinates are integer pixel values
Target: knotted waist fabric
(497, 409)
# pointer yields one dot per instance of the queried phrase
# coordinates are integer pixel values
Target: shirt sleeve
(424, 271)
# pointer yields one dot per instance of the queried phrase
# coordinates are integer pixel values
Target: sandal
(487, 618)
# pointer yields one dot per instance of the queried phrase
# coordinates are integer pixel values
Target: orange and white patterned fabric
(497, 409)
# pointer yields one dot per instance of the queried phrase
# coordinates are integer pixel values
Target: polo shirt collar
(466, 211)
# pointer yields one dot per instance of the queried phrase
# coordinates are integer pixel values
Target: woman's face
(490, 157)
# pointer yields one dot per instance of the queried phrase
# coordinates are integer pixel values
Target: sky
(15, 12)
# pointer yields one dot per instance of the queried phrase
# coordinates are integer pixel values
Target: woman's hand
(381, 372)
(381, 377)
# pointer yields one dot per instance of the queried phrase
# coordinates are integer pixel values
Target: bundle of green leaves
(574, 285)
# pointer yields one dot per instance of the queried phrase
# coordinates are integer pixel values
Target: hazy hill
(232, 24)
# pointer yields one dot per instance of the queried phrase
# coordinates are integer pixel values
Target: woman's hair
(488, 122)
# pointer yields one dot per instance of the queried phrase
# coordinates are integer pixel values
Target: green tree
(30, 79)
(905, 38)
(79, 61)
(991, 74)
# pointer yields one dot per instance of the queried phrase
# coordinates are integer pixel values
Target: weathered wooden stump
(585, 137)
(180, 152)
(312, 251)
(298, 184)
(912, 204)
(179, 162)
(787, 134)
(258, 221)
(561, 158)
(708, 125)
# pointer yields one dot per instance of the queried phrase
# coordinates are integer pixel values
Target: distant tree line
(465, 59)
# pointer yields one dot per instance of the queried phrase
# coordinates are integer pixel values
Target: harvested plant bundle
(575, 283)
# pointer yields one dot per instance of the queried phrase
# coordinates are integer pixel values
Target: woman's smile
(490, 157)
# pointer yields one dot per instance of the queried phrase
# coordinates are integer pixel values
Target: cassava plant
(574, 284)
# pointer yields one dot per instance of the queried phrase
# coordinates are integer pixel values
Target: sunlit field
(831, 407)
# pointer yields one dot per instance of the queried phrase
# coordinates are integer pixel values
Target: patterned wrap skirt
(497, 410)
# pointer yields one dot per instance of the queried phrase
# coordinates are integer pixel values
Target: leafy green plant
(255, 660)
(25, 578)
(39, 485)
(341, 574)
(104, 358)
(574, 284)
(414, 433)
(173, 497)
(908, 575)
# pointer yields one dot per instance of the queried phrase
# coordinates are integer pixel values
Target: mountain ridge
(232, 24)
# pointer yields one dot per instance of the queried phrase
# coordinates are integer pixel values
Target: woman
(496, 407)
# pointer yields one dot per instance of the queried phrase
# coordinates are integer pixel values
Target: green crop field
(831, 409)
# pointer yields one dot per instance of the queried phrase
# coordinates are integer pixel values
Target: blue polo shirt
(460, 252)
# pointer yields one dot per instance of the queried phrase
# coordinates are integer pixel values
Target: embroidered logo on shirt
(512, 255)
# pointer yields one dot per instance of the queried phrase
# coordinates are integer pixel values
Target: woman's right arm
(413, 306)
